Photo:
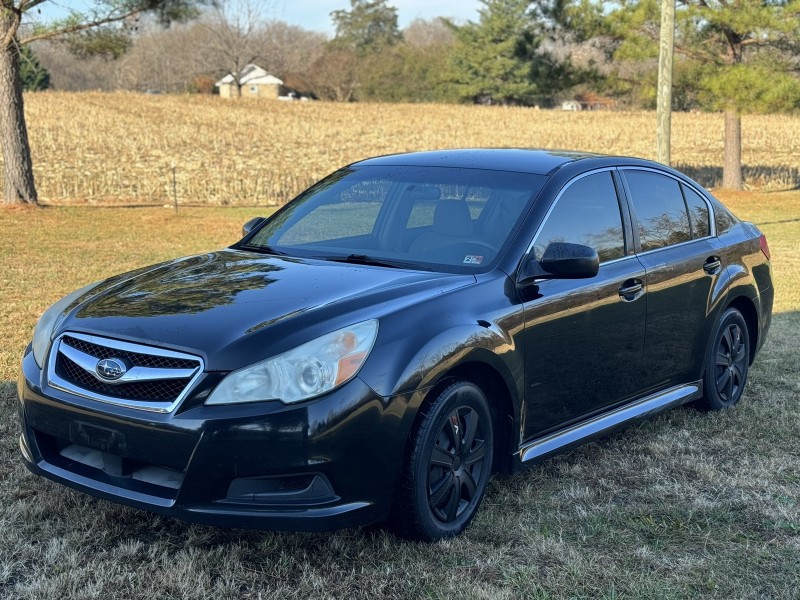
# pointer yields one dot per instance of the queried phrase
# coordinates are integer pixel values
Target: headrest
(452, 218)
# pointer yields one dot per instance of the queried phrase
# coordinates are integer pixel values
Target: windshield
(436, 218)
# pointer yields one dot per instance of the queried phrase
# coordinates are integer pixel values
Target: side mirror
(251, 224)
(561, 261)
(570, 261)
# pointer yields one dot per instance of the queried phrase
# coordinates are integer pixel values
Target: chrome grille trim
(87, 362)
(136, 374)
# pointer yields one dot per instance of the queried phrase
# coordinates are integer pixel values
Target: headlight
(49, 321)
(307, 371)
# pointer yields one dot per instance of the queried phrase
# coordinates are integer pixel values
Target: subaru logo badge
(111, 369)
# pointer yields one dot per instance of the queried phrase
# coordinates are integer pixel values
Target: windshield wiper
(363, 259)
(264, 250)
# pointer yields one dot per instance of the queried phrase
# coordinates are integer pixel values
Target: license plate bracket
(96, 437)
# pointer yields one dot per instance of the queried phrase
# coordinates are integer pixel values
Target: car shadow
(757, 176)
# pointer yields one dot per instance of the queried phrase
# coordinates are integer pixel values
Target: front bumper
(323, 464)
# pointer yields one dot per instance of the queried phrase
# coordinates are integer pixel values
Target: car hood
(234, 307)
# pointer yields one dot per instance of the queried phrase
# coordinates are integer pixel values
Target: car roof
(539, 162)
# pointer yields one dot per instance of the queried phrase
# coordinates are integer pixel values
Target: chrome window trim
(618, 260)
(56, 382)
(646, 252)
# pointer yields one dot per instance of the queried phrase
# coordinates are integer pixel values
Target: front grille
(166, 390)
(142, 360)
(155, 379)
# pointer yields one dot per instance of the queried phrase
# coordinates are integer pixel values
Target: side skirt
(600, 425)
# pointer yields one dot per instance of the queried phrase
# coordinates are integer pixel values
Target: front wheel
(448, 466)
(728, 362)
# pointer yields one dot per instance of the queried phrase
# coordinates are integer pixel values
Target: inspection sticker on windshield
(470, 259)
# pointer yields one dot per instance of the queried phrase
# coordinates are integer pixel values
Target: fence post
(174, 189)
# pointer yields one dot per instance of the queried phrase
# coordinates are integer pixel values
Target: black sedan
(406, 327)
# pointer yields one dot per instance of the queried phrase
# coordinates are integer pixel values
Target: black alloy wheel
(728, 363)
(457, 457)
(448, 466)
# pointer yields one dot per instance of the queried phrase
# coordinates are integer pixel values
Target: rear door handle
(712, 265)
(631, 289)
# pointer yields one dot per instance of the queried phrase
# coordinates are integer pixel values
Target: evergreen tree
(414, 70)
(499, 60)
(368, 27)
(33, 75)
(739, 55)
(362, 55)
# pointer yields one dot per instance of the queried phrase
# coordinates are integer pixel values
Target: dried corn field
(121, 148)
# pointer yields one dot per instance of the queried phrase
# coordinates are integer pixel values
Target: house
(255, 82)
(592, 101)
(588, 101)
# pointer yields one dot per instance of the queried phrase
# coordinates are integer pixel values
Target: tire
(448, 465)
(727, 364)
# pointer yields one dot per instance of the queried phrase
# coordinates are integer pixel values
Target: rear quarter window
(698, 213)
(724, 219)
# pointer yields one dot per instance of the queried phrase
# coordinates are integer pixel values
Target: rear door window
(660, 209)
(425, 199)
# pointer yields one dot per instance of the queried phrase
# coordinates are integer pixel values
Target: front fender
(420, 363)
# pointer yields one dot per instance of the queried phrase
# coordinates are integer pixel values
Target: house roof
(251, 75)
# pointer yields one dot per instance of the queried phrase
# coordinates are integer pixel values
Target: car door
(682, 263)
(583, 338)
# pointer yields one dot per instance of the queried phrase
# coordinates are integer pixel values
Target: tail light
(762, 241)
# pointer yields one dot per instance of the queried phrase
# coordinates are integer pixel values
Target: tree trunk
(18, 187)
(732, 154)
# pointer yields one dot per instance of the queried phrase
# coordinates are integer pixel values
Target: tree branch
(756, 42)
(701, 56)
(29, 4)
(13, 20)
(46, 35)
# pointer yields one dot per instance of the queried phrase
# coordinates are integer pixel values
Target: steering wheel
(482, 244)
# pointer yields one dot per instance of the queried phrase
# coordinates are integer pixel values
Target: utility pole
(664, 101)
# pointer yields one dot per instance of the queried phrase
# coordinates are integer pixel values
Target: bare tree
(421, 33)
(71, 73)
(86, 29)
(335, 74)
(175, 58)
(235, 36)
(168, 60)
(289, 49)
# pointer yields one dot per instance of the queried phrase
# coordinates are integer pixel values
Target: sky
(316, 14)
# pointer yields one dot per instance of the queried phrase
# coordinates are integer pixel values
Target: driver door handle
(712, 265)
(631, 289)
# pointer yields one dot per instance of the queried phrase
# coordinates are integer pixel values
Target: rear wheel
(448, 466)
(728, 362)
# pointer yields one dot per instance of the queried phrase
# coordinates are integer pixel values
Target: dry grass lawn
(685, 505)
